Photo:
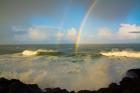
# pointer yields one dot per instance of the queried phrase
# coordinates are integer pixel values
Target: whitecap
(123, 53)
(38, 52)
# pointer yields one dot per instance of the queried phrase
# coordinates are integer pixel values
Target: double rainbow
(83, 24)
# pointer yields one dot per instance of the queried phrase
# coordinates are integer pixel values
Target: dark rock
(129, 85)
(34, 88)
(56, 90)
(18, 87)
(126, 82)
(72, 91)
(133, 73)
(4, 85)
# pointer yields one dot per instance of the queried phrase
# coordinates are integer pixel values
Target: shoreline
(129, 84)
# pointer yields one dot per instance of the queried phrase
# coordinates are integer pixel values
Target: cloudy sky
(59, 21)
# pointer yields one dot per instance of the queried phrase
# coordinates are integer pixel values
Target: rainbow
(83, 24)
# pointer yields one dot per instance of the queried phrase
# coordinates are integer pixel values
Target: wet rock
(4, 85)
(86, 91)
(133, 73)
(56, 90)
(16, 86)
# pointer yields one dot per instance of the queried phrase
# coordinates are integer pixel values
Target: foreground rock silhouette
(129, 84)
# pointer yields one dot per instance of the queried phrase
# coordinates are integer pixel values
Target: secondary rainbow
(83, 24)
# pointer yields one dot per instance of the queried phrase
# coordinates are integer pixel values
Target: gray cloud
(135, 32)
(20, 12)
(114, 9)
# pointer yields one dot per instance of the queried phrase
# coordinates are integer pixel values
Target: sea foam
(37, 52)
(68, 72)
(124, 53)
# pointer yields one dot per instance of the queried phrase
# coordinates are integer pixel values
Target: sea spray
(62, 72)
(87, 70)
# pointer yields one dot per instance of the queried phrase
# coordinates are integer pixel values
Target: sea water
(49, 66)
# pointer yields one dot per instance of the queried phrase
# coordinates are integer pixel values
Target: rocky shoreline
(129, 84)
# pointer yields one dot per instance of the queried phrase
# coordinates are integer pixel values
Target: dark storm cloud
(20, 12)
(24, 9)
(114, 9)
(25, 13)
(135, 32)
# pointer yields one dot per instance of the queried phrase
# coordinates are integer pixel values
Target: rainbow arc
(83, 24)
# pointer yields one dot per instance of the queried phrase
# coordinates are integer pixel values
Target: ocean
(90, 67)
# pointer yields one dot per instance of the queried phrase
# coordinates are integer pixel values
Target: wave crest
(39, 52)
(124, 53)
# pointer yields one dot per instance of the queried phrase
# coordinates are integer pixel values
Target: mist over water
(87, 69)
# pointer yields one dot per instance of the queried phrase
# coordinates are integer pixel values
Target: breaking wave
(72, 73)
(39, 52)
(123, 53)
(53, 71)
(82, 71)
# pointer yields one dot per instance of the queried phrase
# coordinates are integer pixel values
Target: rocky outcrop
(16, 86)
(129, 84)
(133, 73)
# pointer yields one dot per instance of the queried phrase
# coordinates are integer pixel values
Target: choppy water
(92, 67)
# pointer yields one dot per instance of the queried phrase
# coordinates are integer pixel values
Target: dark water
(61, 66)
(68, 48)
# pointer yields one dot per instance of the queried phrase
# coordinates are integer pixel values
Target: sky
(59, 21)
